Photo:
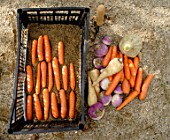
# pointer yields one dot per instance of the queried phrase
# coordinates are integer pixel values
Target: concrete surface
(140, 120)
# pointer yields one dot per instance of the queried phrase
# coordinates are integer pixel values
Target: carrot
(136, 62)
(110, 78)
(132, 67)
(145, 86)
(63, 101)
(34, 49)
(138, 81)
(50, 76)
(65, 77)
(47, 48)
(72, 104)
(72, 77)
(126, 68)
(46, 102)
(61, 52)
(44, 73)
(37, 107)
(29, 107)
(120, 55)
(114, 83)
(107, 58)
(54, 105)
(38, 79)
(114, 52)
(123, 76)
(29, 78)
(129, 98)
(132, 81)
(56, 71)
(40, 50)
(125, 86)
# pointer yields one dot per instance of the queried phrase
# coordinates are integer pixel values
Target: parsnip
(100, 12)
(114, 66)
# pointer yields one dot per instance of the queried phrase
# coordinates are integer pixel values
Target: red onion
(105, 83)
(118, 89)
(104, 98)
(116, 100)
(107, 40)
(96, 111)
(100, 50)
(97, 62)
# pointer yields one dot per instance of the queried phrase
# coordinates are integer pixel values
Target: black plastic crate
(78, 16)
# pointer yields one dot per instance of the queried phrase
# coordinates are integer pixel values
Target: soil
(140, 120)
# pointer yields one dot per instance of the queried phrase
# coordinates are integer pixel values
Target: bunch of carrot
(130, 77)
(48, 69)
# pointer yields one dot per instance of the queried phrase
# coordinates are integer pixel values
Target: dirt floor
(140, 120)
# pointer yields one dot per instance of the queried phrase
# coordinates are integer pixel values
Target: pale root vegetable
(114, 66)
(100, 12)
(92, 97)
(94, 74)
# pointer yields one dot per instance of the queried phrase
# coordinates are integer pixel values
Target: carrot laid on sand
(47, 48)
(72, 104)
(37, 107)
(34, 51)
(56, 71)
(138, 81)
(132, 67)
(38, 79)
(63, 100)
(132, 81)
(29, 107)
(126, 67)
(129, 98)
(145, 86)
(72, 77)
(65, 77)
(123, 76)
(120, 55)
(29, 78)
(107, 57)
(116, 79)
(50, 76)
(114, 52)
(46, 103)
(61, 52)
(136, 62)
(43, 73)
(40, 49)
(125, 86)
(54, 105)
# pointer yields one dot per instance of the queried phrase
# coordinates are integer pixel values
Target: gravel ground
(140, 120)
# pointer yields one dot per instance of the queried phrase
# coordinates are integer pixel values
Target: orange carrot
(61, 52)
(145, 86)
(37, 107)
(72, 104)
(46, 102)
(29, 107)
(54, 105)
(138, 81)
(110, 78)
(114, 52)
(132, 67)
(50, 77)
(107, 58)
(38, 79)
(34, 50)
(136, 62)
(129, 98)
(72, 77)
(114, 83)
(65, 77)
(125, 86)
(40, 50)
(44, 73)
(123, 76)
(56, 71)
(132, 81)
(126, 68)
(120, 55)
(29, 78)
(63, 101)
(47, 48)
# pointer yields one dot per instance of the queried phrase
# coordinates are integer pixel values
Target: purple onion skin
(116, 100)
(118, 89)
(104, 98)
(107, 40)
(97, 62)
(100, 50)
(105, 83)
(92, 111)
